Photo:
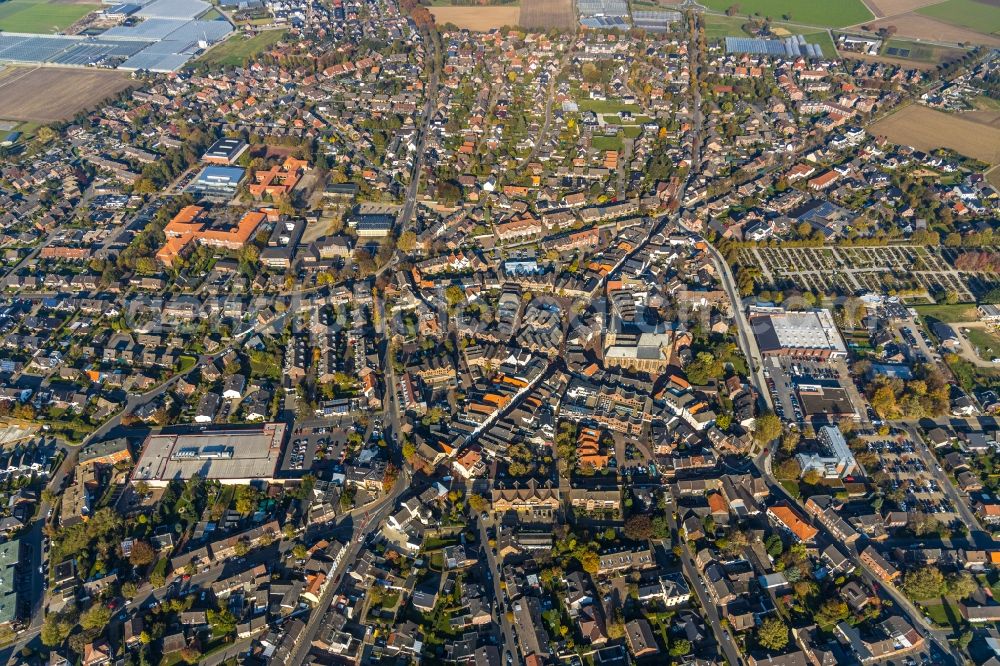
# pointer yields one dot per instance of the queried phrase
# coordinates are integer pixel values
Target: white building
(836, 461)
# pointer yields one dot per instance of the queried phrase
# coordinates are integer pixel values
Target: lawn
(807, 12)
(943, 614)
(237, 49)
(949, 314)
(606, 143)
(979, 16)
(987, 344)
(41, 16)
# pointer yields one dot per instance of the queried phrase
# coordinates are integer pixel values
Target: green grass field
(807, 12)
(978, 16)
(606, 143)
(949, 314)
(986, 344)
(235, 50)
(41, 16)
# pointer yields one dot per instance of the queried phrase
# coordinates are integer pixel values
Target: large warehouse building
(225, 454)
(810, 334)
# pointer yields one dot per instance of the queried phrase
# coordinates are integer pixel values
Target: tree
(766, 427)
(407, 241)
(961, 585)
(774, 545)
(772, 634)
(790, 441)
(454, 295)
(96, 617)
(299, 552)
(812, 477)
(924, 583)
(57, 627)
(222, 622)
(831, 612)
(680, 647)
(142, 553)
(129, 589)
(478, 503)
(735, 542)
(639, 528)
(590, 562)
(703, 368)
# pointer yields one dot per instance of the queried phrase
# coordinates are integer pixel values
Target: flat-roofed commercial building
(225, 152)
(234, 456)
(217, 181)
(810, 334)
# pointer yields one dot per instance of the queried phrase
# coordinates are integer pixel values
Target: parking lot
(312, 444)
(784, 374)
(917, 344)
(909, 478)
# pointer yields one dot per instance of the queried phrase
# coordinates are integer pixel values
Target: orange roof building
(784, 516)
(588, 449)
(278, 182)
(190, 226)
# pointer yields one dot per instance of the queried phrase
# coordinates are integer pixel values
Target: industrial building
(810, 334)
(225, 454)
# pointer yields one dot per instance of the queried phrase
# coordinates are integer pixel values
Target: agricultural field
(883, 8)
(234, 51)
(927, 129)
(979, 15)
(814, 12)
(915, 53)
(917, 26)
(47, 95)
(478, 19)
(548, 15)
(42, 16)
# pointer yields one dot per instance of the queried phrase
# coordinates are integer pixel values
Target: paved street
(370, 521)
(498, 594)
